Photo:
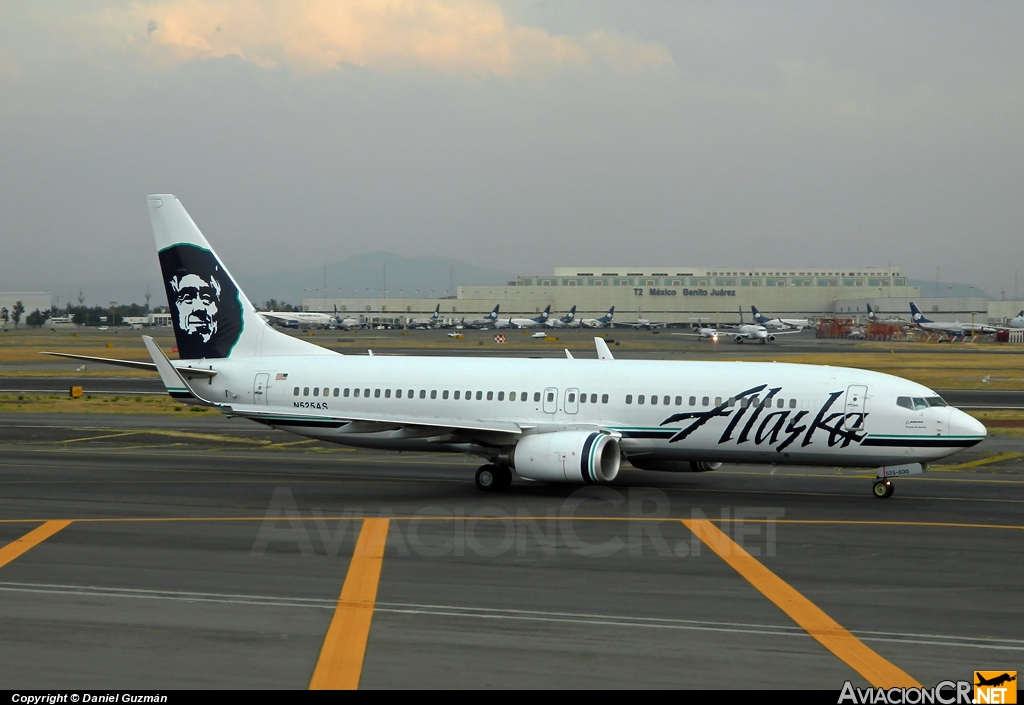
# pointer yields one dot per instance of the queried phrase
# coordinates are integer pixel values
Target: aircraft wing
(785, 332)
(279, 317)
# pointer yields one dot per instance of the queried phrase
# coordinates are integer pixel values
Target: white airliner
(299, 319)
(602, 322)
(955, 329)
(423, 323)
(550, 420)
(491, 320)
(778, 323)
(566, 321)
(702, 331)
(537, 322)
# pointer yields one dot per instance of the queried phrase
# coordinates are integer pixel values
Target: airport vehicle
(550, 420)
(955, 329)
(425, 323)
(537, 322)
(566, 321)
(777, 323)
(539, 334)
(491, 320)
(602, 322)
(456, 334)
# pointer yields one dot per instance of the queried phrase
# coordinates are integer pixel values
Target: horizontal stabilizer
(134, 364)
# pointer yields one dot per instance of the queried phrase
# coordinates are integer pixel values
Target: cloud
(453, 36)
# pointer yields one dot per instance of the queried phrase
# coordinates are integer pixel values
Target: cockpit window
(920, 403)
(905, 402)
(936, 401)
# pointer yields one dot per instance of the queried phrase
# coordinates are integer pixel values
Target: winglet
(603, 353)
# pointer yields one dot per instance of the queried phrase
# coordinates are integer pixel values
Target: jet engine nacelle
(672, 465)
(567, 456)
(771, 338)
(738, 338)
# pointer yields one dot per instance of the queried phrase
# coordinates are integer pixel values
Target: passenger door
(259, 388)
(550, 400)
(856, 396)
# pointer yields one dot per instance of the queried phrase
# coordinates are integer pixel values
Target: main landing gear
(493, 478)
(883, 488)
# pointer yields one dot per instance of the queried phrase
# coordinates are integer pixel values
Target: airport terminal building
(664, 294)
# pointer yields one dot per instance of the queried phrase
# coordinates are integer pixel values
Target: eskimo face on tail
(203, 301)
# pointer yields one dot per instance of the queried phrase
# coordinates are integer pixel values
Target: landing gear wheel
(883, 489)
(493, 478)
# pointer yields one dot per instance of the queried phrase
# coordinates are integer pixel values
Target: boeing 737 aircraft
(602, 322)
(537, 322)
(955, 329)
(299, 319)
(431, 322)
(778, 323)
(491, 320)
(702, 331)
(548, 420)
(566, 321)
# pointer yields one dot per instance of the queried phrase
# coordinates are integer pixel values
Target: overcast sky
(518, 136)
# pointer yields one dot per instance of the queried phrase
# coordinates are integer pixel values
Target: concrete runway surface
(210, 552)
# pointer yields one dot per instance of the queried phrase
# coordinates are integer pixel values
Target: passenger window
(444, 394)
(572, 397)
(583, 398)
(536, 396)
(593, 398)
(693, 401)
(387, 393)
(551, 396)
(654, 399)
(411, 393)
(629, 398)
(316, 391)
(604, 398)
(366, 392)
(469, 395)
(357, 392)
(666, 400)
(296, 391)
(376, 394)
(336, 391)
(327, 391)
(479, 396)
(780, 403)
(511, 396)
(920, 403)
(423, 394)
(524, 396)
(346, 392)
(640, 399)
(705, 401)
(433, 394)
(501, 396)
(718, 401)
(398, 394)
(792, 403)
(457, 394)
(490, 396)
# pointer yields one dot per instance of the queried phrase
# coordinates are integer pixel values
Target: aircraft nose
(965, 425)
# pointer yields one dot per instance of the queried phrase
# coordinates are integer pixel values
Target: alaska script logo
(204, 302)
(780, 428)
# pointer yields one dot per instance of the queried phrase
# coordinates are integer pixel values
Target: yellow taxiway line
(341, 657)
(33, 538)
(832, 635)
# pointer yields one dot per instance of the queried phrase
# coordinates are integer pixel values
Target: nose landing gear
(493, 478)
(883, 488)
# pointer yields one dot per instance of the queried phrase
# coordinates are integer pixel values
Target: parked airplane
(602, 322)
(778, 323)
(491, 320)
(874, 318)
(1017, 321)
(639, 323)
(955, 329)
(551, 420)
(537, 322)
(299, 319)
(431, 322)
(566, 321)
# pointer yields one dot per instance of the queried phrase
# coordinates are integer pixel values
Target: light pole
(112, 305)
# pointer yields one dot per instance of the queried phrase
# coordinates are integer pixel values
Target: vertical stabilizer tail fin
(212, 317)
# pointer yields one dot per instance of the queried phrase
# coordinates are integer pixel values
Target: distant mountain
(365, 275)
(931, 288)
